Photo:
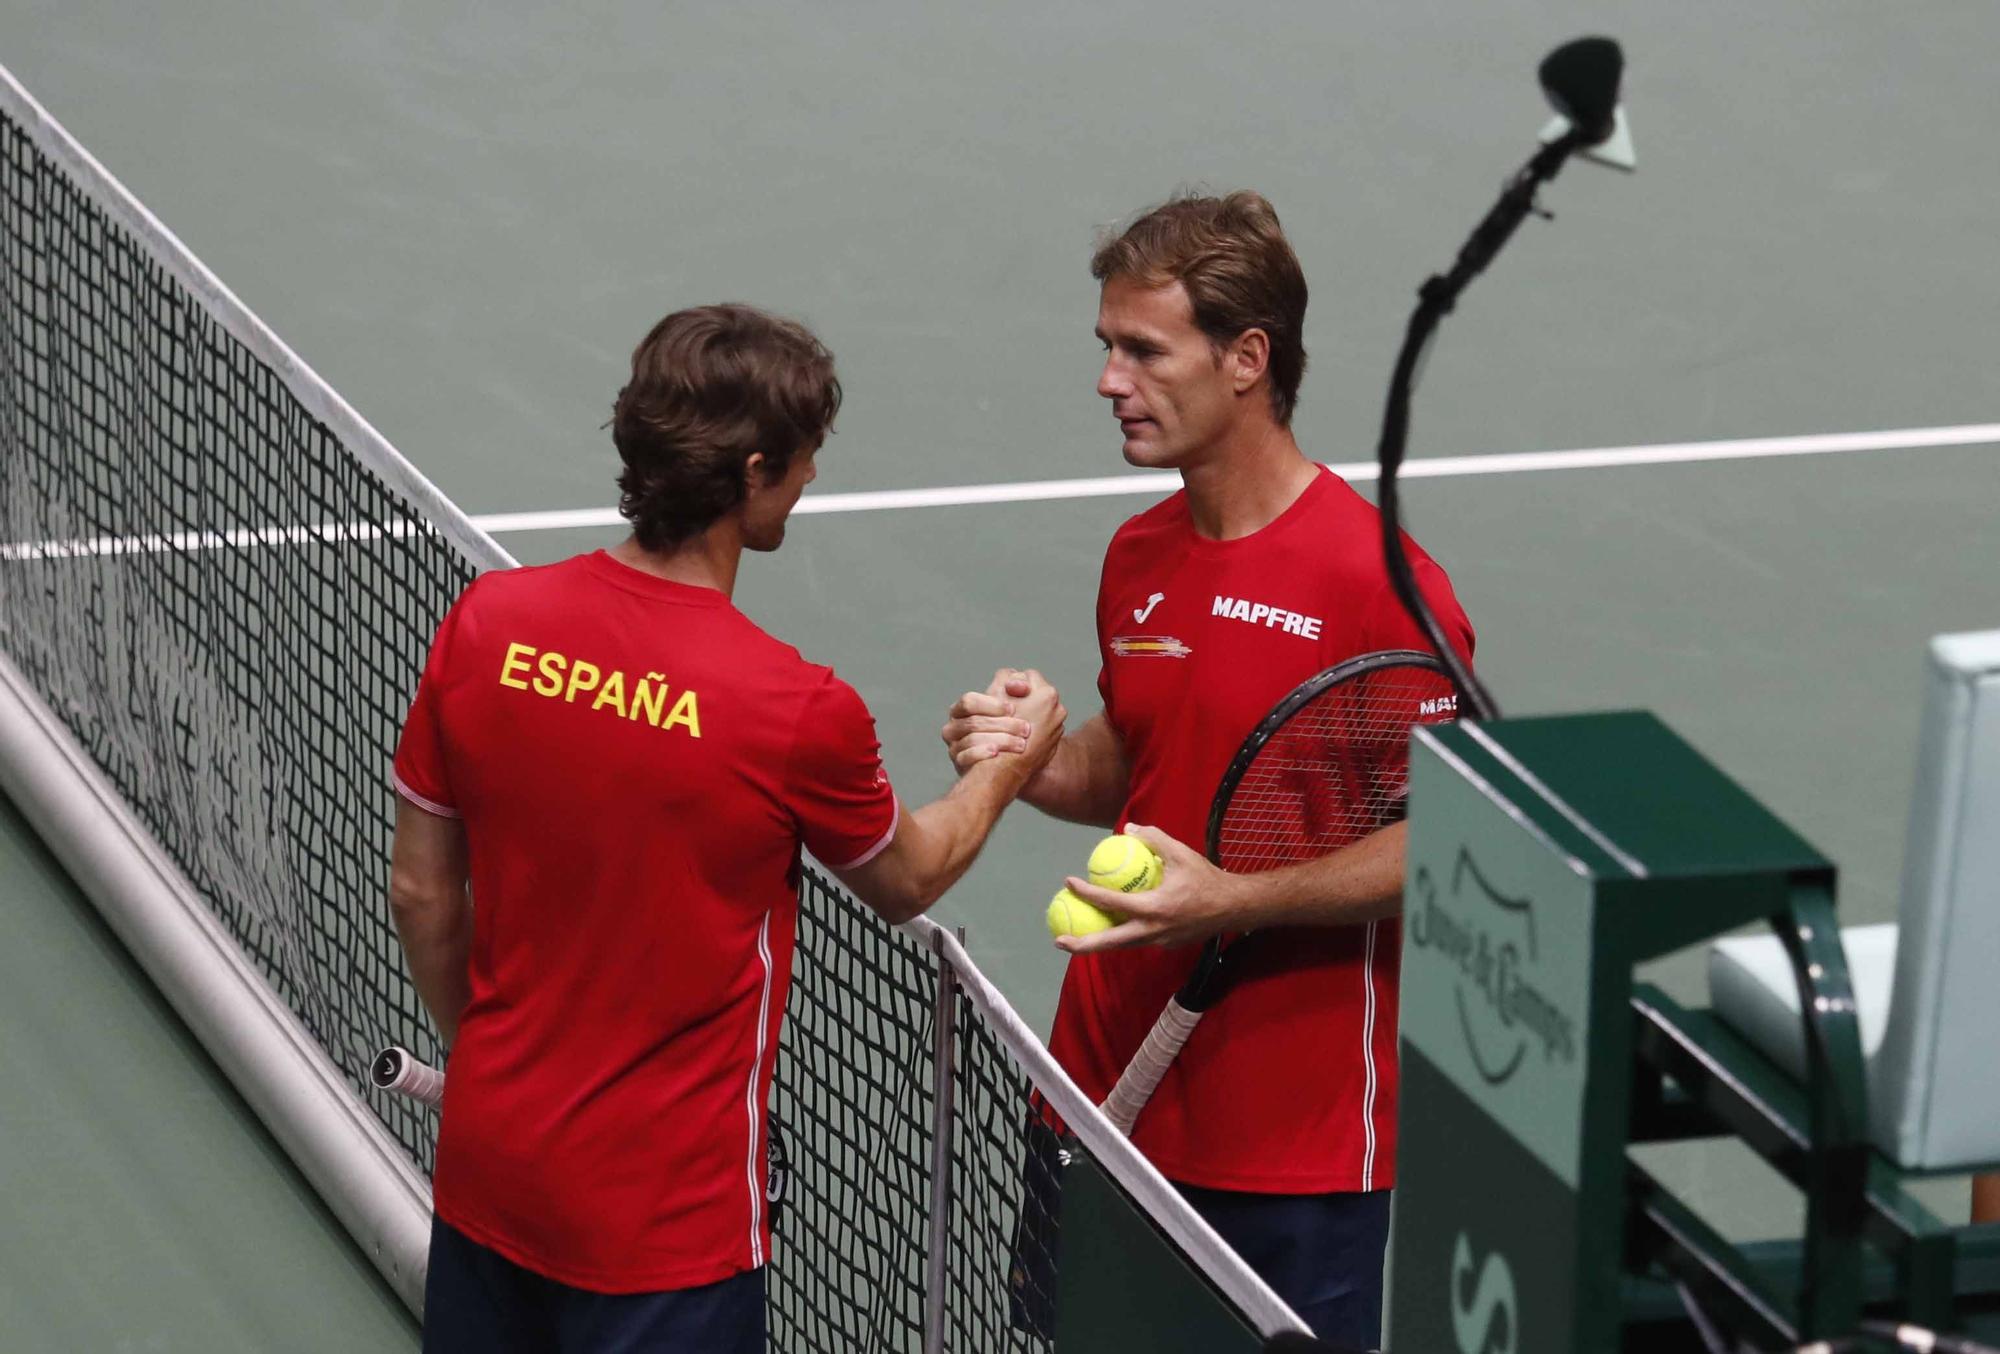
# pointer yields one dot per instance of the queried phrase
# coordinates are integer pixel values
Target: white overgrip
(1142, 1075)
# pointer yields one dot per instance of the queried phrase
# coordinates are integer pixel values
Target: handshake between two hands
(1020, 714)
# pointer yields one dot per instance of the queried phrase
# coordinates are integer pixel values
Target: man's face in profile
(1166, 381)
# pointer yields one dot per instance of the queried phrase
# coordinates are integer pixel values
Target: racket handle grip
(397, 1069)
(1142, 1075)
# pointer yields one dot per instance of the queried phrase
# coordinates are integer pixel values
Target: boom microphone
(1581, 81)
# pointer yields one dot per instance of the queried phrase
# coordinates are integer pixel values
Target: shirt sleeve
(419, 772)
(1389, 625)
(841, 798)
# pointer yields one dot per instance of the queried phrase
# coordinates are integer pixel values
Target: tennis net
(217, 587)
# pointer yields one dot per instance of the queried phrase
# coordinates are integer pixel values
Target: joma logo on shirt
(1257, 613)
(564, 679)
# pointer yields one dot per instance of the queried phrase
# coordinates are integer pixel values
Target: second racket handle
(1142, 1075)
(397, 1069)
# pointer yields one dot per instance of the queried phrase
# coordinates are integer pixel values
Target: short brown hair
(1239, 271)
(709, 386)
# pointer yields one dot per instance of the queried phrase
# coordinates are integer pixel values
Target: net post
(944, 1025)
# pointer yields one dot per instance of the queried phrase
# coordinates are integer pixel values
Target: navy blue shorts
(1321, 1253)
(477, 1301)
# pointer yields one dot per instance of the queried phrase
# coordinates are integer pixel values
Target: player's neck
(708, 560)
(1246, 484)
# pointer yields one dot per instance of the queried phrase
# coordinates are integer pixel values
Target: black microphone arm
(1581, 79)
(1436, 298)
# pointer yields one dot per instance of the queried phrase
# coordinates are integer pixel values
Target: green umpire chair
(1926, 997)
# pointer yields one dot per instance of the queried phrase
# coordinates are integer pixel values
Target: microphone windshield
(1581, 79)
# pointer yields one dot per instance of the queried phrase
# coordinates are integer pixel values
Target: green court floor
(464, 216)
(146, 1209)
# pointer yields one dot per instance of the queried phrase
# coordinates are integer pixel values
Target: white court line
(1439, 467)
(1037, 491)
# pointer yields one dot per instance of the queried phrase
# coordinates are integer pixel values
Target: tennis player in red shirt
(1278, 1119)
(623, 769)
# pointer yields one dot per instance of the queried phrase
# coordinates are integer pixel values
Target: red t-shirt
(637, 766)
(1288, 1085)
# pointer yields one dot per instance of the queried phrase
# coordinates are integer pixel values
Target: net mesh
(240, 686)
(854, 1107)
(229, 608)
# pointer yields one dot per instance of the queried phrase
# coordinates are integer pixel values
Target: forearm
(936, 844)
(955, 827)
(437, 944)
(1360, 883)
(1087, 780)
(429, 868)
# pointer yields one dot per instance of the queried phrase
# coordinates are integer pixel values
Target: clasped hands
(1194, 900)
(1020, 714)
(1001, 719)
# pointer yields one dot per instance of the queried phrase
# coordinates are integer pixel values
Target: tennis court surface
(463, 225)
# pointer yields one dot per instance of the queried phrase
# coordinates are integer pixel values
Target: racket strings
(1333, 772)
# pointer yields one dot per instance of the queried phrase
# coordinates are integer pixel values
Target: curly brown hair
(1240, 273)
(710, 386)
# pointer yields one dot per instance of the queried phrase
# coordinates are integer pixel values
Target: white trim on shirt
(1368, 1063)
(881, 845)
(751, 1100)
(427, 805)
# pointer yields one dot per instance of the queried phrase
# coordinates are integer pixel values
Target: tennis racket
(399, 1070)
(1326, 767)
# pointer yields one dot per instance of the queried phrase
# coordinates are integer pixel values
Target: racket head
(1329, 764)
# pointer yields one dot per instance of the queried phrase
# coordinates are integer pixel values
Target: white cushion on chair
(1928, 988)
(1752, 990)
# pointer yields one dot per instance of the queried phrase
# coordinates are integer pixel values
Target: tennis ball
(1125, 863)
(1070, 915)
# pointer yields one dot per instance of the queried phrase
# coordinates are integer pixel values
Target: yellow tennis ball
(1124, 863)
(1070, 915)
